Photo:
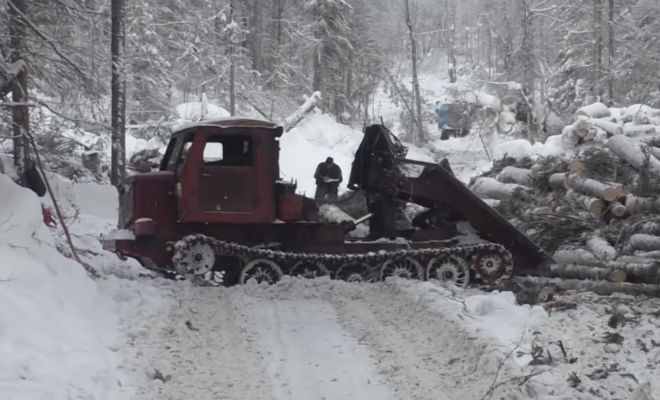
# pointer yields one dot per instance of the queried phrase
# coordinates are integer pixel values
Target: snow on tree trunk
(490, 188)
(601, 248)
(18, 9)
(118, 94)
(420, 136)
(294, 119)
(513, 174)
(575, 256)
(633, 153)
(643, 241)
(608, 126)
(594, 188)
(595, 110)
(631, 129)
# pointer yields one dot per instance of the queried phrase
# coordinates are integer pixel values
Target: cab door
(221, 177)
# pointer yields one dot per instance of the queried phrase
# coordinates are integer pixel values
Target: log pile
(596, 209)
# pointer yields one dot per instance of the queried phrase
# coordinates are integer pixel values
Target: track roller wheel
(405, 267)
(197, 259)
(452, 269)
(354, 272)
(490, 266)
(261, 270)
(308, 269)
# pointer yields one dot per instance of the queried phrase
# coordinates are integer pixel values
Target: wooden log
(608, 126)
(601, 248)
(595, 207)
(617, 209)
(558, 180)
(491, 188)
(600, 287)
(569, 137)
(537, 211)
(593, 187)
(633, 152)
(575, 256)
(574, 271)
(581, 128)
(638, 205)
(643, 269)
(292, 120)
(492, 202)
(655, 151)
(650, 227)
(631, 129)
(576, 166)
(643, 241)
(595, 110)
(517, 175)
(652, 255)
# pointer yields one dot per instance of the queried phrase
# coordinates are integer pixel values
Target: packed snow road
(302, 340)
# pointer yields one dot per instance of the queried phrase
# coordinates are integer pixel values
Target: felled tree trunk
(655, 151)
(635, 130)
(490, 188)
(610, 127)
(517, 175)
(558, 180)
(573, 271)
(643, 241)
(637, 205)
(617, 209)
(603, 288)
(632, 152)
(575, 256)
(594, 188)
(595, 207)
(595, 110)
(576, 166)
(292, 120)
(601, 248)
(492, 202)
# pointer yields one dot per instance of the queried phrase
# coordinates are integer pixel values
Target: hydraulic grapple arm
(380, 168)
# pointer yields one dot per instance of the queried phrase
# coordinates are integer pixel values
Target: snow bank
(56, 329)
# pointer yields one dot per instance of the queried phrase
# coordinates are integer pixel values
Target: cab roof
(232, 122)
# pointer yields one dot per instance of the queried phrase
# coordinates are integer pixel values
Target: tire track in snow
(311, 357)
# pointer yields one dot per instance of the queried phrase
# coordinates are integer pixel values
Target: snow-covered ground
(132, 335)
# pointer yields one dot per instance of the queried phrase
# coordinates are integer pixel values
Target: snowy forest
(264, 54)
(412, 199)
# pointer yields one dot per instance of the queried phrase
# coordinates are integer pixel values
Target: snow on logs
(490, 188)
(595, 110)
(511, 174)
(634, 153)
(580, 263)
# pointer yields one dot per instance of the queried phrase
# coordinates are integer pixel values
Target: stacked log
(603, 198)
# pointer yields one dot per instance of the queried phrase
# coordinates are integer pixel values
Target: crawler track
(196, 255)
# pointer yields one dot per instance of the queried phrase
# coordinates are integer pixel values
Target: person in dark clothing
(328, 177)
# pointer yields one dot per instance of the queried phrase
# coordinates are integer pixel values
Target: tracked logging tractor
(217, 210)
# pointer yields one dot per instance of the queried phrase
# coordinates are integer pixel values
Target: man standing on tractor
(328, 177)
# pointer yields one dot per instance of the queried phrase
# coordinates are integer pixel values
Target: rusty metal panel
(436, 185)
